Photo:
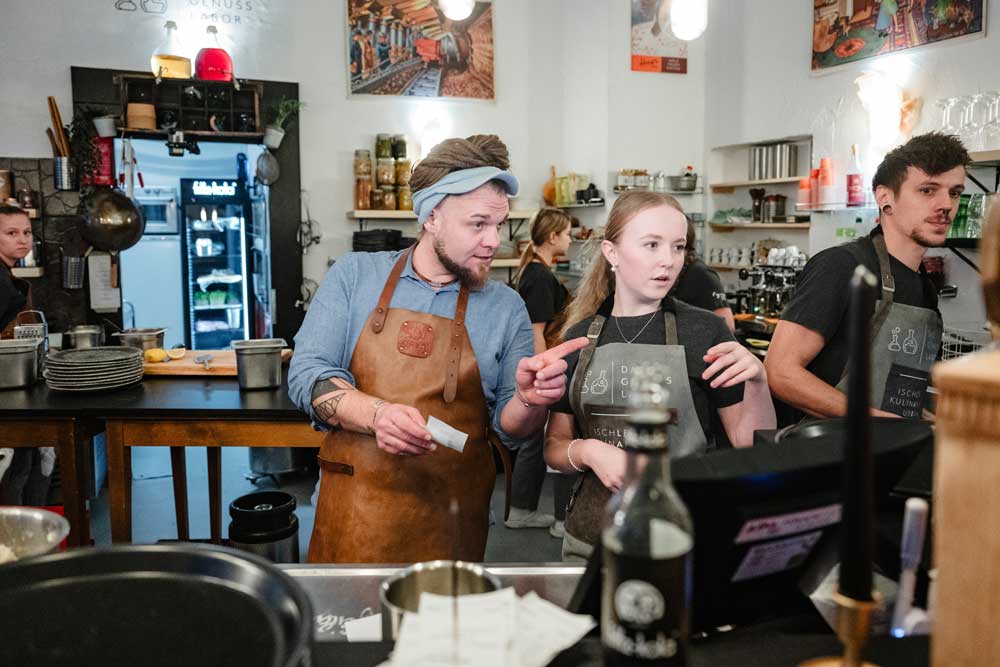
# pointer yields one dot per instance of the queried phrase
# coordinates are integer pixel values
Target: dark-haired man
(916, 187)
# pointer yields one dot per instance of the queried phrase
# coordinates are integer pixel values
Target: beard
(925, 242)
(465, 275)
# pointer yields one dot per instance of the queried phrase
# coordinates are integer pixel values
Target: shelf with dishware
(731, 226)
(729, 187)
(835, 207)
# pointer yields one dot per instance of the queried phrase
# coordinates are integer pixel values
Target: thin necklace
(651, 317)
(432, 283)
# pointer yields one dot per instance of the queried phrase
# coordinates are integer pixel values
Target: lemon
(176, 353)
(155, 355)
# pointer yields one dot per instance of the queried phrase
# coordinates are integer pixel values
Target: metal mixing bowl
(29, 531)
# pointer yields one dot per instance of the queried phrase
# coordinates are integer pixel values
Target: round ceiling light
(457, 10)
(688, 18)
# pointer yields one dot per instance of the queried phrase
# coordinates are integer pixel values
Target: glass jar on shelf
(403, 171)
(398, 146)
(385, 171)
(362, 162)
(404, 198)
(388, 198)
(383, 145)
(376, 199)
(362, 192)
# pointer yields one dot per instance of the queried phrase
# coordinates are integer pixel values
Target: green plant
(285, 112)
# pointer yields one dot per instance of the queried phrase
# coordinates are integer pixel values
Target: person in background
(624, 308)
(26, 473)
(545, 298)
(394, 341)
(917, 187)
(698, 285)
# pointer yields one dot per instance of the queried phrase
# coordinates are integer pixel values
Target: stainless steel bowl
(144, 339)
(400, 593)
(29, 531)
(258, 362)
(682, 183)
(83, 336)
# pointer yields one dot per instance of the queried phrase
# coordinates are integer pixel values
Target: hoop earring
(887, 209)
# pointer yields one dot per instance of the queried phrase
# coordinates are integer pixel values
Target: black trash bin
(264, 523)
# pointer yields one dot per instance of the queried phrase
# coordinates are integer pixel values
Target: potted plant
(282, 115)
(84, 154)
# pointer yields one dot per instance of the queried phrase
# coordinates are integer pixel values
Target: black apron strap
(670, 327)
(888, 284)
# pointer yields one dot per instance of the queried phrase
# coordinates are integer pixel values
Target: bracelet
(524, 402)
(569, 456)
(378, 404)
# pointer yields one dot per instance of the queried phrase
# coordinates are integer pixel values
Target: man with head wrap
(394, 338)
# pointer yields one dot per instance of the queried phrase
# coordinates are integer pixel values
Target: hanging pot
(112, 223)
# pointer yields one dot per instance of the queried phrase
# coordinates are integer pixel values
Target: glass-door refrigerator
(220, 298)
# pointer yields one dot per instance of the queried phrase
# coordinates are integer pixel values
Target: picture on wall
(846, 31)
(421, 48)
(654, 47)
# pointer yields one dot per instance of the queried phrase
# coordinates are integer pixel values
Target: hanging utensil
(112, 223)
(268, 170)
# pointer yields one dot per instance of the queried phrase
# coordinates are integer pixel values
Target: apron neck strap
(583, 361)
(455, 342)
(884, 268)
(382, 308)
(670, 327)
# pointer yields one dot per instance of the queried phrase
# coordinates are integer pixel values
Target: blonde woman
(622, 307)
(545, 298)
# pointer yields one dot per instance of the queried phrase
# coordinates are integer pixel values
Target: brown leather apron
(376, 507)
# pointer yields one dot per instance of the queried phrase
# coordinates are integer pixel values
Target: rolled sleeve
(519, 343)
(321, 343)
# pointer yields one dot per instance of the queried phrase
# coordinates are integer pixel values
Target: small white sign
(215, 189)
(446, 435)
(769, 527)
(771, 557)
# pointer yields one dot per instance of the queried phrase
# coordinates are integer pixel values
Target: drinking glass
(991, 132)
(947, 106)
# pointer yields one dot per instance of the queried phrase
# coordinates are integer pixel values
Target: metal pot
(144, 339)
(401, 592)
(258, 362)
(264, 523)
(83, 336)
(29, 531)
(19, 360)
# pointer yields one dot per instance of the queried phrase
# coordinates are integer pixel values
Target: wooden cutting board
(223, 363)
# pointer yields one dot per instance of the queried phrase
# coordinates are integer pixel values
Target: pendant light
(688, 18)
(457, 10)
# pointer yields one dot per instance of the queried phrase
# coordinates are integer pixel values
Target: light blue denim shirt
(496, 320)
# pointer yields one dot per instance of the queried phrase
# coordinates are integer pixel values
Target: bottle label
(645, 609)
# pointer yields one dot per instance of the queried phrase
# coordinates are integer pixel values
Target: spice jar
(362, 162)
(388, 198)
(385, 171)
(377, 199)
(362, 192)
(398, 146)
(383, 145)
(404, 198)
(403, 172)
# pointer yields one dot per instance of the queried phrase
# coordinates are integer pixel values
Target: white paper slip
(103, 297)
(446, 435)
(544, 629)
(364, 629)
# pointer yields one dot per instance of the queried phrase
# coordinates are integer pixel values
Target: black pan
(112, 223)
(152, 605)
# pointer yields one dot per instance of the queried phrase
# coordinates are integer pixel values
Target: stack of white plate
(93, 369)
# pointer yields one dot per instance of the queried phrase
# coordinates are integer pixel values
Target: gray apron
(905, 343)
(599, 398)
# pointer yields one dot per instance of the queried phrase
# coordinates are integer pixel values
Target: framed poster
(654, 47)
(412, 48)
(845, 31)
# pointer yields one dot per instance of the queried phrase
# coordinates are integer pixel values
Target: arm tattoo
(327, 408)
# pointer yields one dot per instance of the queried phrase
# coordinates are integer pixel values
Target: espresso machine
(770, 289)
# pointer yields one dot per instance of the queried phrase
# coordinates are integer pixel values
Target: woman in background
(698, 285)
(545, 298)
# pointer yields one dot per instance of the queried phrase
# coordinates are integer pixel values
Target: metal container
(400, 593)
(264, 523)
(29, 531)
(144, 339)
(83, 336)
(258, 362)
(682, 183)
(19, 361)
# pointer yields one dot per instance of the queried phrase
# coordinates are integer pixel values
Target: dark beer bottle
(647, 541)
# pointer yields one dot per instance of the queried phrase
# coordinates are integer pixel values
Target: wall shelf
(245, 137)
(728, 227)
(410, 216)
(725, 267)
(985, 158)
(28, 271)
(586, 205)
(830, 208)
(730, 186)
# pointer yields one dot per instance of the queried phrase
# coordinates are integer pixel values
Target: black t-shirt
(698, 285)
(821, 296)
(697, 330)
(543, 294)
(12, 296)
